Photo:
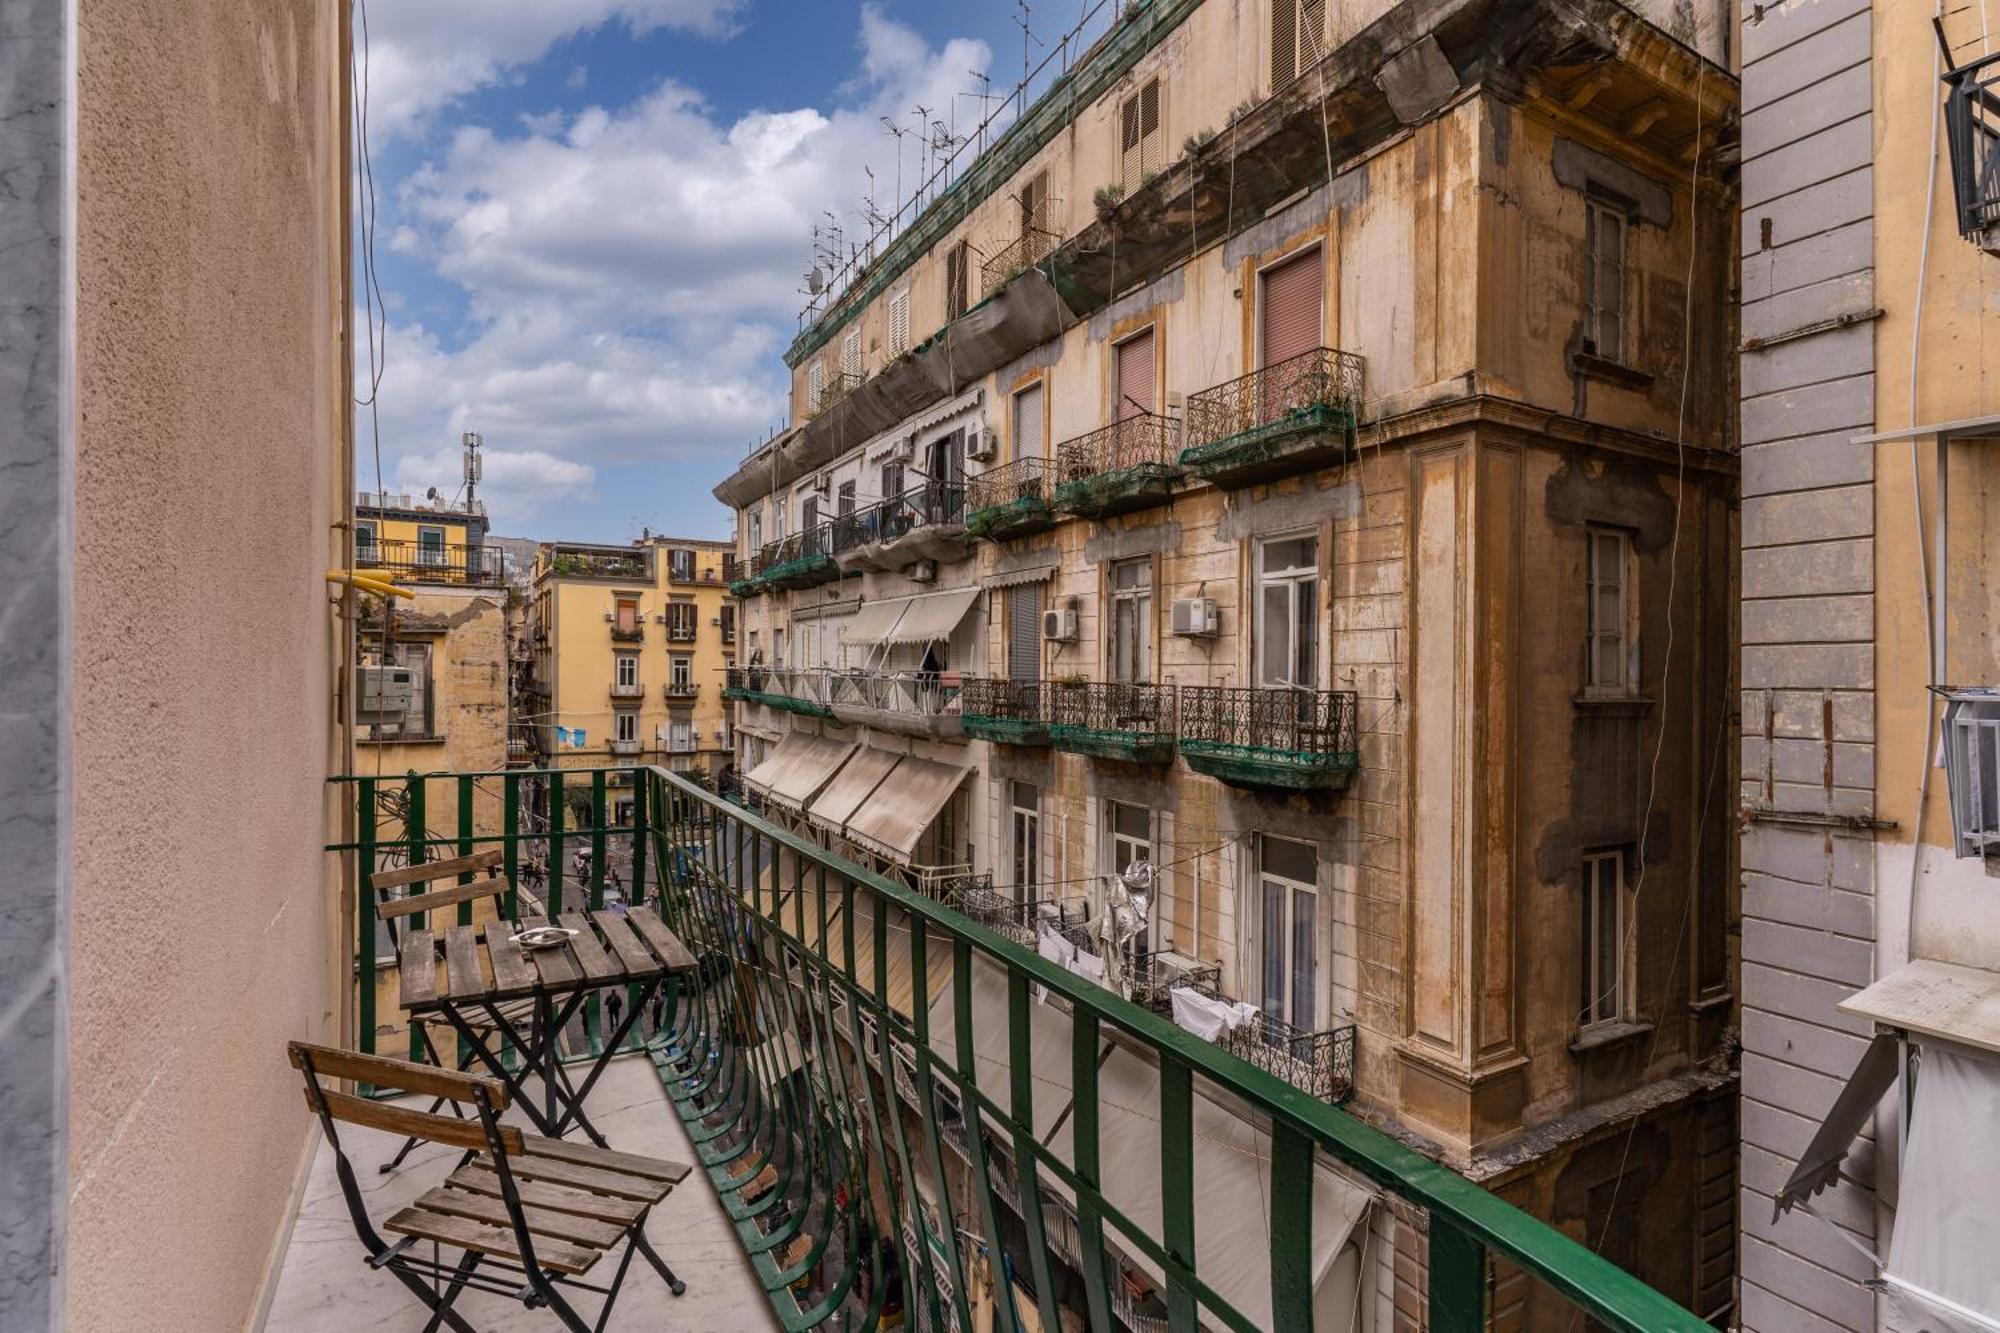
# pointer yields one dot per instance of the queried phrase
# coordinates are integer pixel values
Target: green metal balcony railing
(1010, 501)
(1119, 468)
(1288, 417)
(901, 1132)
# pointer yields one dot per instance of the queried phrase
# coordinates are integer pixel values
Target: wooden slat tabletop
(484, 964)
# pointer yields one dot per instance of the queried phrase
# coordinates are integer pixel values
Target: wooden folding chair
(529, 1216)
(415, 909)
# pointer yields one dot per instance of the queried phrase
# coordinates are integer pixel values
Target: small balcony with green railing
(1273, 737)
(1031, 247)
(1290, 417)
(1007, 712)
(1007, 502)
(1126, 466)
(801, 690)
(901, 1114)
(1123, 720)
(801, 560)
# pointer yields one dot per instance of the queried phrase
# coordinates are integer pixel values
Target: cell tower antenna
(475, 468)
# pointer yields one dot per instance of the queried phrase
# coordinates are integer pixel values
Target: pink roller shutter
(1291, 308)
(1133, 380)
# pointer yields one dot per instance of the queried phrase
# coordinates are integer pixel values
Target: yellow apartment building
(1297, 459)
(626, 649)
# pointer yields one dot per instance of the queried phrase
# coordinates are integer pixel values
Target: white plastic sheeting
(1942, 1274)
(1206, 1016)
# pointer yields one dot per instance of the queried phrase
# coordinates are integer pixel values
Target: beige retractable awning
(797, 770)
(854, 784)
(932, 616)
(875, 621)
(891, 821)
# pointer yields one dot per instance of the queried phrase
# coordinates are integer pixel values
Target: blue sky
(592, 217)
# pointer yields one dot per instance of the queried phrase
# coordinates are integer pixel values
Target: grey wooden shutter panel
(1292, 302)
(1024, 632)
(1028, 423)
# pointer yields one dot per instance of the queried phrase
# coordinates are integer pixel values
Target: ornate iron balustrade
(1284, 418)
(1031, 247)
(932, 504)
(1129, 464)
(1113, 720)
(1972, 132)
(681, 693)
(838, 385)
(633, 633)
(572, 563)
(1012, 712)
(731, 569)
(1271, 736)
(802, 690)
(1151, 978)
(459, 563)
(1010, 501)
(1319, 1063)
(634, 690)
(800, 560)
(822, 1109)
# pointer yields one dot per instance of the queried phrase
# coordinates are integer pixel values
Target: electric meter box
(386, 693)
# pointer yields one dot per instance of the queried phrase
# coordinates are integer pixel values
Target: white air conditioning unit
(980, 446)
(903, 450)
(660, 618)
(610, 616)
(923, 571)
(1195, 617)
(715, 621)
(822, 484)
(1059, 623)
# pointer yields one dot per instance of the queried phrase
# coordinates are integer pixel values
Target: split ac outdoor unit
(923, 571)
(1195, 617)
(1059, 623)
(610, 616)
(980, 446)
(822, 484)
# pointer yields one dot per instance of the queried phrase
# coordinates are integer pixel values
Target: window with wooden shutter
(1139, 136)
(1024, 632)
(1028, 434)
(1290, 311)
(815, 385)
(1604, 280)
(899, 322)
(1133, 376)
(1035, 203)
(850, 353)
(1298, 38)
(957, 263)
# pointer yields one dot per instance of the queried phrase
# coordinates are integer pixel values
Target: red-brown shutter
(1132, 384)
(1291, 314)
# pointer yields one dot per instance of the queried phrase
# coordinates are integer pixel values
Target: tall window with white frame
(1604, 276)
(1287, 636)
(1025, 839)
(1131, 621)
(1610, 655)
(682, 668)
(815, 386)
(1027, 423)
(627, 723)
(627, 669)
(1603, 1000)
(1288, 924)
(899, 323)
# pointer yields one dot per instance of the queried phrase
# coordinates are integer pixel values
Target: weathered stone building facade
(1309, 471)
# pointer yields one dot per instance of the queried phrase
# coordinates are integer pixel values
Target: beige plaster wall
(209, 473)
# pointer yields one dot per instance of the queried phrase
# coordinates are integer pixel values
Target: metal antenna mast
(475, 468)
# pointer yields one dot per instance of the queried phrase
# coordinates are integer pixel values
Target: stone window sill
(1614, 705)
(399, 740)
(1607, 1035)
(1595, 367)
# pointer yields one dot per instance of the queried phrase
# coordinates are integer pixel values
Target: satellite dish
(815, 281)
(431, 494)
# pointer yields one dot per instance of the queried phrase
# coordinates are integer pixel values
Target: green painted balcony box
(802, 560)
(1126, 466)
(1131, 723)
(1271, 739)
(747, 588)
(1006, 712)
(805, 571)
(1287, 418)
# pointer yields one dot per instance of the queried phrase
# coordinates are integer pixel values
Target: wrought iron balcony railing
(635, 633)
(681, 692)
(1320, 1063)
(1031, 247)
(1288, 417)
(628, 748)
(1271, 736)
(1010, 501)
(570, 562)
(799, 561)
(1972, 132)
(1113, 720)
(843, 1035)
(802, 690)
(838, 385)
(1129, 464)
(731, 569)
(1012, 712)
(628, 690)
(414, 562)
(915, 693)
(932, 504)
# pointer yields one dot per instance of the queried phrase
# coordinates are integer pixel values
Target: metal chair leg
(645, 1247)
(440, 1310)
(443, 1310)
(611, 1296)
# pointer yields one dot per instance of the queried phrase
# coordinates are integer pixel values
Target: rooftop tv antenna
(1024, 20)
